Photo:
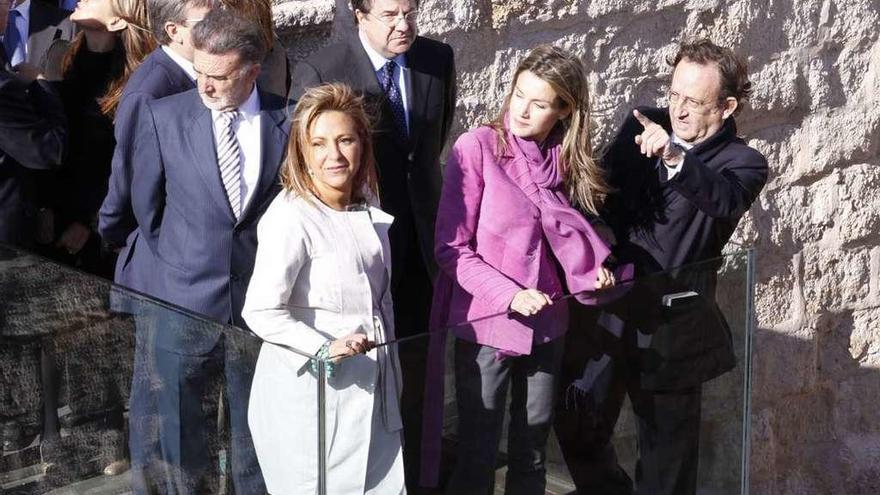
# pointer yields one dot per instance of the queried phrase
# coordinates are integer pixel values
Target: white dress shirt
(401, 73)
(247, 132)
(673, 171)
(184, 64)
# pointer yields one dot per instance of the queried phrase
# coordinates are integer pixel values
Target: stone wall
(815, 114)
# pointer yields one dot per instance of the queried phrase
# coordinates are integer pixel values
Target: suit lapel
(273, 141)
(421, 86)
(200, 139)
(361, 71)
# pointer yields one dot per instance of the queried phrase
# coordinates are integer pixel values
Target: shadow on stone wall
(816, 423)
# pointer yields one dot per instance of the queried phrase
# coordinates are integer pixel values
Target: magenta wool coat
(490, 243)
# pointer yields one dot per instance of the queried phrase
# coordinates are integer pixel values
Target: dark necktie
(392, 92)
(12, 40)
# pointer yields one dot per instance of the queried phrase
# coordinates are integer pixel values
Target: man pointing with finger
(683, 179)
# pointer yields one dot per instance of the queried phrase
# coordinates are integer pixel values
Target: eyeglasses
(192, 22)
(689, 104)
(392, 20)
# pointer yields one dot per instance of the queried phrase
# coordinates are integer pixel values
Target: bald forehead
(701, 81)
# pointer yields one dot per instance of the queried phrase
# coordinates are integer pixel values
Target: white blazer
(306, 289)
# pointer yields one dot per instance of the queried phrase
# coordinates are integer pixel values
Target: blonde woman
(321, 285)
(510, 238)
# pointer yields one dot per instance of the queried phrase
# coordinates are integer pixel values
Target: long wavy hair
(133, 44)
(585, 182)
(335, 97)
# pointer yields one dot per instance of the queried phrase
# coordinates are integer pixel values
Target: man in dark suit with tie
(682, 180)
(410, 82)
(206, 167)
(31, 28)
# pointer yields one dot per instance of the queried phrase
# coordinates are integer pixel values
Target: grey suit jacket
(47, 24)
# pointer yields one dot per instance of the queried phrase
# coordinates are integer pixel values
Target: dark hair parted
(732, 68)
(334, 97)
(224, 31)
(261, 10)
(164, 11)
(564, 72)
(367, 5)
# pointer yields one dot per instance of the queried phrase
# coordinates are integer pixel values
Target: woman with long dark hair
(113, 40)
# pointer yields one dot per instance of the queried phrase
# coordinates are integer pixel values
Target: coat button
(233, 277)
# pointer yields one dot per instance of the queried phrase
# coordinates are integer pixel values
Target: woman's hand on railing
(528, 302)
(605, 278)
(350, 345)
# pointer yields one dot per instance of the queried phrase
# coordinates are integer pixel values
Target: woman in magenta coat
(510, 238)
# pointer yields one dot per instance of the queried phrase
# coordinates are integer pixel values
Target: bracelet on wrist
(324, 355)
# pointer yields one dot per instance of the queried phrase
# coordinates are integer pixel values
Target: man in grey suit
(30, 29)
(206, 165)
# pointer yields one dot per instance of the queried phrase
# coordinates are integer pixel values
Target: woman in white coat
(321, 285)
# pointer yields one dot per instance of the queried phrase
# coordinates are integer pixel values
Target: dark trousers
(176, 401)
(668, 422)
(411, 291)
(481, 385)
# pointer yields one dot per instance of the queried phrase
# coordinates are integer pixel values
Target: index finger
(645, 121)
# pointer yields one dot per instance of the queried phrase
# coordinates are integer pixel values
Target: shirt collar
(24, 10)
(184, 64)
(249, 109)
(677, 140)
(376, 58)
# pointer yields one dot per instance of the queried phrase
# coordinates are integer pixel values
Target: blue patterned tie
(392, 92)
(12, 39)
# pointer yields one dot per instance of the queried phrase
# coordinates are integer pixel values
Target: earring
(311, 173)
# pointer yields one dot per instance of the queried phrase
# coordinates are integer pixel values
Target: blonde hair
(133, 45)
(585, 181)
(335, 97)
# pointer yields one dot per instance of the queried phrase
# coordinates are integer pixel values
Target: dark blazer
(204, 257)
(32, 136)
(47, 24)
(409, 171)
(665, 224)
(158, 76)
